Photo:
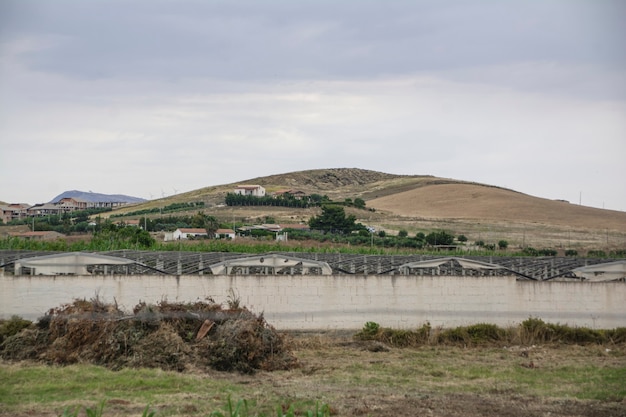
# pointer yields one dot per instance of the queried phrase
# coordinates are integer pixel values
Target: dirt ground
(413, 393)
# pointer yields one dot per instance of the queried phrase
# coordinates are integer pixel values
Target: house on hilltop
(253, 190)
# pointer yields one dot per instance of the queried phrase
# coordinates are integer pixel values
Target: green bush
(370, 329)
(395, 337)
(12, 327)
(476, 334)
(537, 331)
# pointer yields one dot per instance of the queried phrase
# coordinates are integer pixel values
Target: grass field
(351, 377)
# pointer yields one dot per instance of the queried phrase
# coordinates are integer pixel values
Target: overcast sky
(149, 97)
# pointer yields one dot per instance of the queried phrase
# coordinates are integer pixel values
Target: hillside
(479, 202)
(422, 203)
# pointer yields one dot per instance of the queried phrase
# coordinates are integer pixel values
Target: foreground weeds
(530, 332)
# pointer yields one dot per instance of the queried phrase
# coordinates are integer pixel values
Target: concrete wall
(341, 302)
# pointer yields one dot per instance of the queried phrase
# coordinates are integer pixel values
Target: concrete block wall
(341, 302)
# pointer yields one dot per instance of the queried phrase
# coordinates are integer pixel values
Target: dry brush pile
(170, 336)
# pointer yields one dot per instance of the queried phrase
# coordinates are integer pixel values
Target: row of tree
(289, 200)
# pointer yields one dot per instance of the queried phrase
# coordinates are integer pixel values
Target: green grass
(330, 375)
(57, 387)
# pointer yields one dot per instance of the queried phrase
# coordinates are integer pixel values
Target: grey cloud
(282, 40)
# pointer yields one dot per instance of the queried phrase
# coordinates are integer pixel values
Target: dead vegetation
(169, 336)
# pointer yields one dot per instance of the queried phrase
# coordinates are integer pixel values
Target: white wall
(341, 302)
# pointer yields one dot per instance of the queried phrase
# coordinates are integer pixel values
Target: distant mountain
(97, 197)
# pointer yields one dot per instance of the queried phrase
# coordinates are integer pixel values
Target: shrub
(13, 326)
(369, 331)
(395, 337)
(503, 244)
(571, 252)
(475, 334)
(530, 251)
(439, 238)
(537, 331)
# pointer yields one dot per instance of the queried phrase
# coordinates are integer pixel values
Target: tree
(359, 203)
(439, 238)
(334, 220)
(503, 244)
(403, 233)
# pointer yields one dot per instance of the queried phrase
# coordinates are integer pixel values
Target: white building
(185, 233)
(253, 190)
(225, 233)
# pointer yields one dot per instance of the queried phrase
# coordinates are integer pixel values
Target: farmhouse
(185, 233)
(225, 233)
(253, 190)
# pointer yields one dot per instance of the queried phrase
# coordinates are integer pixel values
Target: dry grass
(426, 203)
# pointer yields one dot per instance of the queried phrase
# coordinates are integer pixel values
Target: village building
(224, 233)
(72, 204)
(13, 211)
(253, 190)
(186, 233)
(44, 209)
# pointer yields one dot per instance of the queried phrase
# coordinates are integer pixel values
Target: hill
(424, 203)
(485, 203)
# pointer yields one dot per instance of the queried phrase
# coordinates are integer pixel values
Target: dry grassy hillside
(478, 202)
(424, 203)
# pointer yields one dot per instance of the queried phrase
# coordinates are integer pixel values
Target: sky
(150, 98)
